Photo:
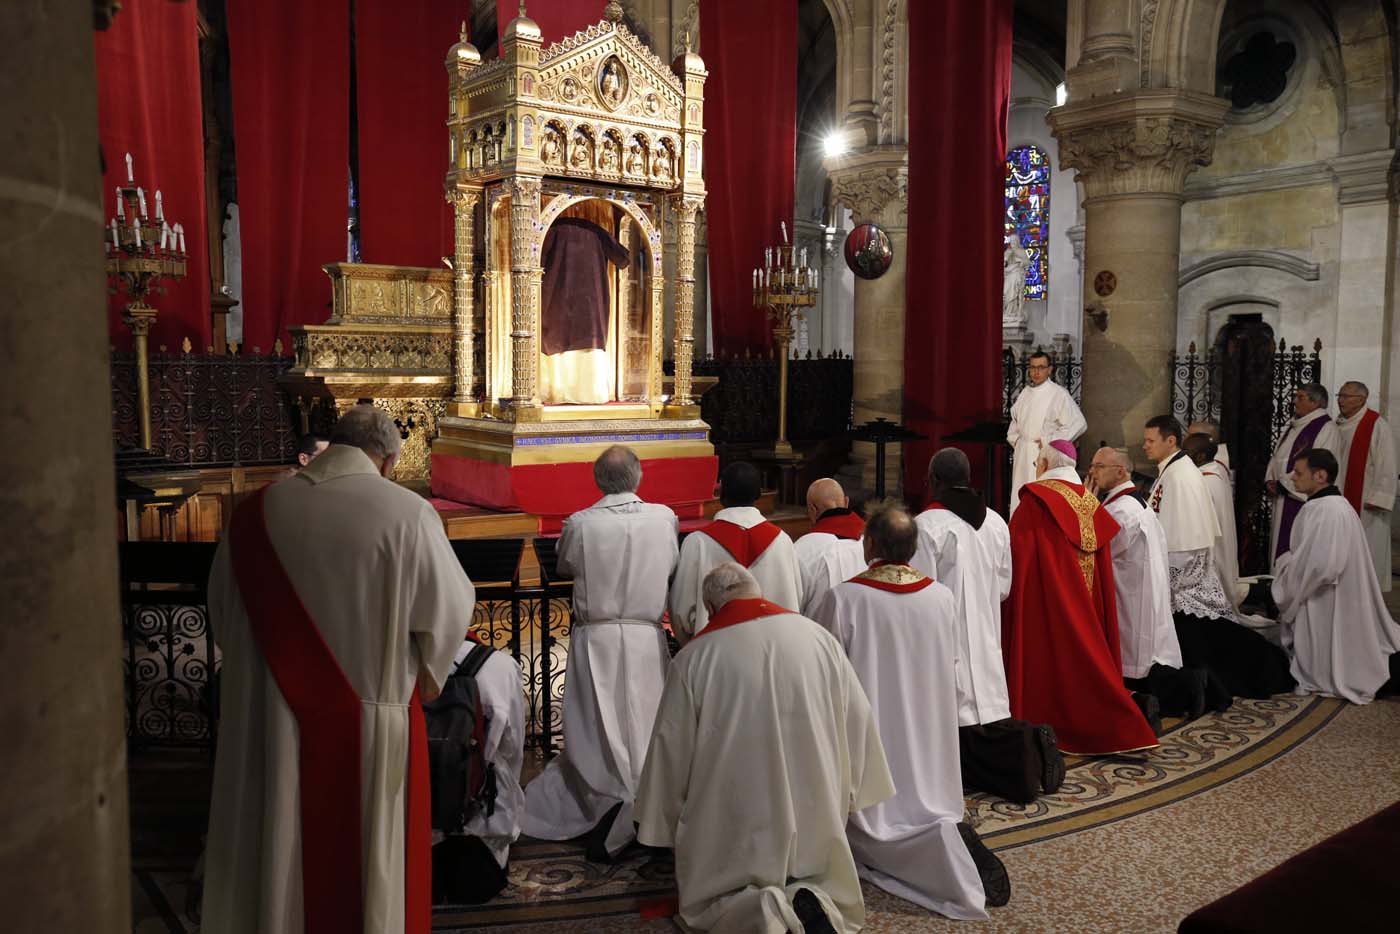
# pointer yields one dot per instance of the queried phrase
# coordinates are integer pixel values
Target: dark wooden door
(1245, 348)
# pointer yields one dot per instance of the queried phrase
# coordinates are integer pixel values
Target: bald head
(890, 533)
(825, 494)
(1111, 467)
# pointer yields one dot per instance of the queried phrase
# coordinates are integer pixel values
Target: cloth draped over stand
(148, 104)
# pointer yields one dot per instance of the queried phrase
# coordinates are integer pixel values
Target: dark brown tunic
(574, 295)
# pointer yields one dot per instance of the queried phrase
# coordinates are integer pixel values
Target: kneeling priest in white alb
(831, 552)
(739, 533)
(900, 630)
(967, 548)
(764, 746)
(621, 553)
(1335, 624)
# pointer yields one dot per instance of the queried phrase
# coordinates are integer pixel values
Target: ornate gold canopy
(595, 117)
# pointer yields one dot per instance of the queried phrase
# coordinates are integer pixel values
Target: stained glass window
(1028, 213)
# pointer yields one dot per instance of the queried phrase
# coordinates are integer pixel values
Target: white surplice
(1142, 582)
(1040, 413)
(903, 647)
(975, 565)
(764, 745)
(1226, 553)
(824, 561)
(373, 567)
(775, 570)
(1378, 489)
(621, 553)
(1280, 469)
(1182, 503)
(503, 701)
(1335, 624)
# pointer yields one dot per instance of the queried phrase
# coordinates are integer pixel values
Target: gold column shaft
(525, 292)
(686, 208)
(783, 334)
(139, 318)
(463, 342)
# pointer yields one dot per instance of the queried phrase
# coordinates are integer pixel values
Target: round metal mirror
(868, 251)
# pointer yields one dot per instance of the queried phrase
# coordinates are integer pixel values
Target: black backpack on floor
(463, 782)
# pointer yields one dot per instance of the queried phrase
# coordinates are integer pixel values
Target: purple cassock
(574, 294)
(1291, 506)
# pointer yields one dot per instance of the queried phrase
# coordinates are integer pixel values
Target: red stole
(903, 578)
(327, 710)
(741, 611)
(847, 525)
(1356, 465)
(934, 505)
(744, 545)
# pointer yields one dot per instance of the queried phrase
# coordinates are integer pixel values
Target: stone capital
(873, 184)
(1137, 142)
(1365, 177)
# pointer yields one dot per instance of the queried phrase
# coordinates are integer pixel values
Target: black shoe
(1218, 696)
(596, 843)
(808, 909)
(1052, 761)
(1195, 680)
(996, 884)
(1151, 711)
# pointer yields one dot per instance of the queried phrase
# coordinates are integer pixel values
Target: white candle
(767, 257)
(116, 240)
(129, 176)
(160, 211)
(141, 198)
(163, 234)
(783, 225)
(181, 229)
(755, 280)
(121, 209)
(137, 228)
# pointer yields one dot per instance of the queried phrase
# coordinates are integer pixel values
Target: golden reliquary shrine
(543, 343)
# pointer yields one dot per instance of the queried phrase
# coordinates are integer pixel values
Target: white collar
(1346, 421)
(616, 499)
(1310, 417)
(1067, 474)
(338, 460)
(1125, 485)
(743, 516)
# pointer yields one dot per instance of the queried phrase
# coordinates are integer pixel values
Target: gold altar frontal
(595, 128)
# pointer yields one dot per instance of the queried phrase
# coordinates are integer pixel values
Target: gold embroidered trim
(891, 574)
(1084, 506)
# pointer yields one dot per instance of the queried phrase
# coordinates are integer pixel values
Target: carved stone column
(464, 401)
(64, 853)
(685, 208)
(525, 295)
(874, 186)
(1132, 153)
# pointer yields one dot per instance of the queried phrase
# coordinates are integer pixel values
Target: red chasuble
(1060, 624)
(739, 611)
(744, 545)
(327, 711)
(1359, 453)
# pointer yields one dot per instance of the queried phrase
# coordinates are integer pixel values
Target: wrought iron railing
(208, 410)
(1065, 369)
(743, 406)
(1249, 395)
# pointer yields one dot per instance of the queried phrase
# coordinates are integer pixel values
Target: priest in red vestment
(1060, 623)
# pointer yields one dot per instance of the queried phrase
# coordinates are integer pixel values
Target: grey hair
(1358, 386)
(728, 582)
(1054, 457)
(1316, 392)
(618, 470)
(1118, 456)
(369, 429)
(950, 467)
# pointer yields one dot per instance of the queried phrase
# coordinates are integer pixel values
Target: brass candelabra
(142, 250)
(783, 288)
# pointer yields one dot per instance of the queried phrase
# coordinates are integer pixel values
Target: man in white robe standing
(1335, 624)
(741, 534)
(1043, 411)
(763, 748)
(621, 553)
(899, 629)
(1367, 477)
(336, 601)
(967, 547)
(1222, 450)
(1311, 427)
(831, 552)
(1204, 453)
(1147, 639)
(1242, 661)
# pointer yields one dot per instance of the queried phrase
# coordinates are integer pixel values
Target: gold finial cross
(463, 33)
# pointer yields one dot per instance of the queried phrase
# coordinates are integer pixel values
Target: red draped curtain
(556, 18)
(750, 155)
(960, 90)
(401, 103)
(290, 68)
(148, 104)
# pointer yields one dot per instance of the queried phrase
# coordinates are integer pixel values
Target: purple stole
(1305, 440)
